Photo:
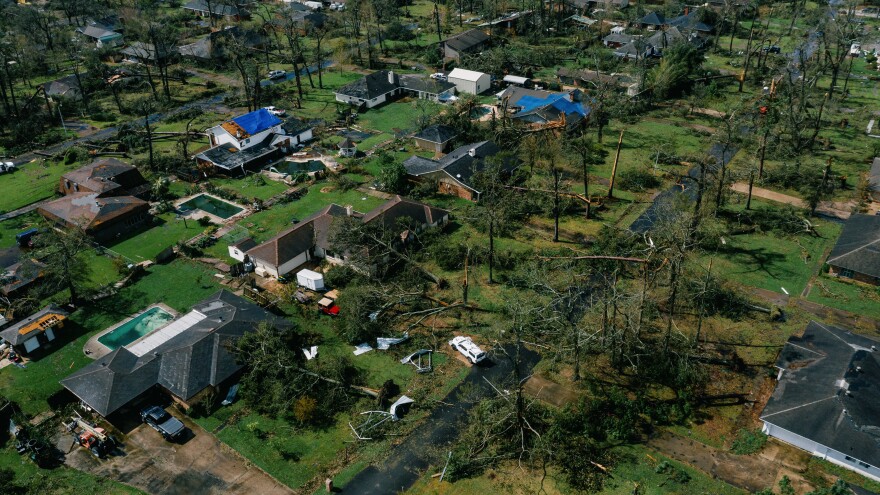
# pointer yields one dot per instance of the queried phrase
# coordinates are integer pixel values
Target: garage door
(31, 344)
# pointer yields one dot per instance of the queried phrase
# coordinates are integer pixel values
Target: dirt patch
(326, 189)
(549, 391)
(842, 318)
(200, 464)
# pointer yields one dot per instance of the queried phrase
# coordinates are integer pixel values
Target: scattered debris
(376, 418)
(362, 348)
(230, 397)
(385, 343)
(311, 353)
(415, 359)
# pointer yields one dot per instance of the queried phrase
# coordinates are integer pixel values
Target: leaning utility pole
(614, 167)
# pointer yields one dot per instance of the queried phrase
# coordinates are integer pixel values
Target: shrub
(75, 154)
(340, 276)
(304, 409)
(637, 180)
(748, 442)
(204, 221)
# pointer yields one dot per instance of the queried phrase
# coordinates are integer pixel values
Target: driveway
(200, 464)
(421, 448)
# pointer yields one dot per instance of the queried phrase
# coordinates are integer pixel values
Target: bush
(637, 180)
(344, 183)
(304, 409)
(340, 276)
(748, 442)
(75, 154)
(204, 221)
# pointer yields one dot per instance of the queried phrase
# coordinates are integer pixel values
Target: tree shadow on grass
(761, 260)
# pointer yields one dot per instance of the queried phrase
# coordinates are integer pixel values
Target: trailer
(91, 437)
(310, 280)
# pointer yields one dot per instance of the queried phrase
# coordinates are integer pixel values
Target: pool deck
(197, 213)
(95, 349)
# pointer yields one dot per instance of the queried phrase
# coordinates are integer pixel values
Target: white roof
(465, 75)
(310, 275)
(516, 79)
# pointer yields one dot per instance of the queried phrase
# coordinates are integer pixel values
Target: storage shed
(310, 280)
(469, 81)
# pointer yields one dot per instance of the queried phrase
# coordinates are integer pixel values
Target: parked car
(276, 74)
(467, 347)
(278, 112)
(438, 76)
(328, 307)
(170, 427)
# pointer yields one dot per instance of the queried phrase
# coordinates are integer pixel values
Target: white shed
(469, 81)
(310, 280)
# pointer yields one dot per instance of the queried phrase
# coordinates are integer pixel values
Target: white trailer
(310, 280)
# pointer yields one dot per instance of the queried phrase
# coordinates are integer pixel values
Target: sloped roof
(90, 210)
(185, 364)
(256, 122)
(654, 19)
(216, 8)
(312, 231)
(420, 83)
(592, 76)
(346, 144)
(467, 40)
(21, 274)
(874, 176)
(229, 157)
(689, 22)
(98, 32)
(370, 86)
(666, 37)
(465, 75)
(100, 176)
(515, 93)
(618, 38)
(294, 125)
(145, 51)
(858, 247)
(437, 133)
(22, 330)
(64, 86)
(810, 399)
(207, 47)
(459, 164)
(399, 209)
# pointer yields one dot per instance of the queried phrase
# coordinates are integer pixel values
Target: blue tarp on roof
(559, 100)
(256, 121)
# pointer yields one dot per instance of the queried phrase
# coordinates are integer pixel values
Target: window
(846, 273)
(246, 141)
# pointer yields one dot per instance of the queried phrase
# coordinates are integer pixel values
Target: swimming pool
(136, 328)
(307, 167)
(212, 205)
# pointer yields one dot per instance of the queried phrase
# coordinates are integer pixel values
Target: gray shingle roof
(424, 84)
(654, 19)
(467, 40)
(809, 399)
(370, 86)
(437, 134)
(12, 333)
(458, 164)
(874, 177)
(184, 365)
(228, 157)
(858, 247)
(216, 8)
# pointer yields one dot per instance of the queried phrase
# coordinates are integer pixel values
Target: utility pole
(614, 167)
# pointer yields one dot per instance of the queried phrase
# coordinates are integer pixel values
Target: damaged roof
(467, 40)
(90, 210)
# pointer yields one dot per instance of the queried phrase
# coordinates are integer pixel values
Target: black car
(170, 427)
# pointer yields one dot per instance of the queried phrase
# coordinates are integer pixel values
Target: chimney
(391, 76)
(472, 152)
(349, 210)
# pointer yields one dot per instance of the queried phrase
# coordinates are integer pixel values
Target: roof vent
(848, 393)
(859, 369)
(873, 348)
(472, 152)
(349, 210)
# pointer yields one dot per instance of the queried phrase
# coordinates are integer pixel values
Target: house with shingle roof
(36, 331)
(857, 253)
(246, 142)
(470, 41)
(827, 398)
(454, 172)
(436, 138)
(311, 238)
(101, 36)
(103, 218)
(105, 176)
(216, 9)
(382, 86)
(187, 358)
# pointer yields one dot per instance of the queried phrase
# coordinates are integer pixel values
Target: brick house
(857, 253)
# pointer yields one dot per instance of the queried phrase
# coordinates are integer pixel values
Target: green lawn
(9, 228)
(267, 223)
(179, 284)
(252, 186)
(58, 481)
(148, 243)
(32, 182)
(838, 293)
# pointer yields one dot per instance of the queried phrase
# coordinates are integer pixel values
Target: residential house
(103, 218)
(654, 20)
(20, 274)
(827, 397)
(66, 87)
(347, 148)
(311, 238)
(588, 5)
(305, 17)
(105, 176)
(466, 43)
(469, 81)
(212, 47)
(237, 250)
(590, 79)
(189, 358)
(689, 23)
(216, 9)
(146, 53)
(36, 331)
(454, 172)
(436, 138)
(298, 130)
(101, 36)
(617, 40)
(380, 87)
(653, 46)
(856, 255)
(246, 142)
(556, 111)
(509, 22)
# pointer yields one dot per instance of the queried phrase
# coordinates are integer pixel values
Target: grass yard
(179, 284)
(252, 186)
(841, 294)
(774, 262)
(32, 182)
(146, 244)
(59, 481)
(9, 228)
